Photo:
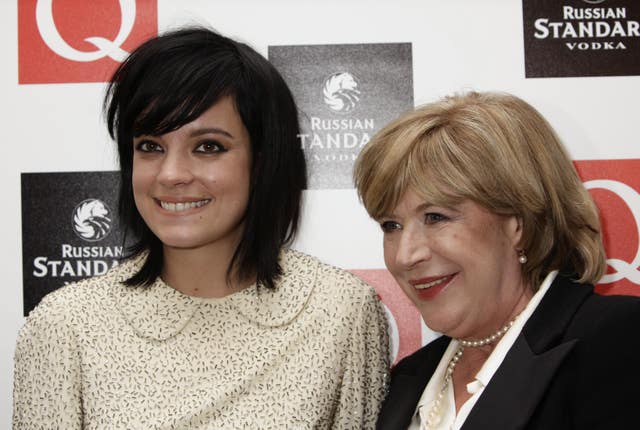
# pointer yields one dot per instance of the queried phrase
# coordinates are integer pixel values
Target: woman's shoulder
(307, 284)
(614, 301)
(580, 311)
(609, 312)
(72, 303)
(328, 279)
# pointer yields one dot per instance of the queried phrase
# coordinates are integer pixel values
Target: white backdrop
(457, 44)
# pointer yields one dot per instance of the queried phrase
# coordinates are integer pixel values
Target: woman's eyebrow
(208, 130)
(423, 207)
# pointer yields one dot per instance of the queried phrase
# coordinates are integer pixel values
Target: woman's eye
(389, 226)
(434, 218)
(148, 146)
(210, 147)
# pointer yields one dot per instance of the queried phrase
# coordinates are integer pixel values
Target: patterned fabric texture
(313, 354)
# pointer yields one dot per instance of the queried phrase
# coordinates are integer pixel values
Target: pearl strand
(490, 339)
(434, 415)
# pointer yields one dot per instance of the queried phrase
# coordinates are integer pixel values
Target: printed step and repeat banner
(352, 68)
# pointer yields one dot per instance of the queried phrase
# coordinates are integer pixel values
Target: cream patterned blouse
(99, 355)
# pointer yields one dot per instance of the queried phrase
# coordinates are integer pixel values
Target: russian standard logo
(341, 92)
(593, 1)
(632, 200)
(91, 220)
(106, 48)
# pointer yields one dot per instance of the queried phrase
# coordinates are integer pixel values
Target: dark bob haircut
(170, 81)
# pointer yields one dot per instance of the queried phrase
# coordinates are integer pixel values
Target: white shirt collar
(506, 342)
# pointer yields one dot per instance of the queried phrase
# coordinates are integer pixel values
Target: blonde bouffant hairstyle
(498, 151)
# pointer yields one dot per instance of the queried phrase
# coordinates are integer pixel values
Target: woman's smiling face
(191, 185)
(458, 265)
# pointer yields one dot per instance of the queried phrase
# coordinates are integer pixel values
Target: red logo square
(67, 41)
(615, 187)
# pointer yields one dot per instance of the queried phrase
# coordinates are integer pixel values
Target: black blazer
(575, 365)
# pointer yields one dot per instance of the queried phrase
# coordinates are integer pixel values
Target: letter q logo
(614, 185)
(106, 47)
(623, 269)
(65, 41)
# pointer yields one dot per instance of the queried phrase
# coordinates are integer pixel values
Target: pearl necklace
(434, 416)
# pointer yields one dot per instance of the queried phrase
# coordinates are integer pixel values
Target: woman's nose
(175, 170)
(413, 248)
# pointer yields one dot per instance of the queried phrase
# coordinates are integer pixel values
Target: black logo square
(70, 229)
(345, 93)
(581, 38)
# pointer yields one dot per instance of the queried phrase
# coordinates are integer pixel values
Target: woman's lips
(430, 287)
(182, 205)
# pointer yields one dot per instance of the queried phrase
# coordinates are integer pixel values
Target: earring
(522, 257)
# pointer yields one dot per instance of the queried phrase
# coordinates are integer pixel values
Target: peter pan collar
(278, 307)
(160, 312)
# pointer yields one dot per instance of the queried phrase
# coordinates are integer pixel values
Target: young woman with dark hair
(211, 322)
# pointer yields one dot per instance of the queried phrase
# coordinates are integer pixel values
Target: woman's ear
(514, 229)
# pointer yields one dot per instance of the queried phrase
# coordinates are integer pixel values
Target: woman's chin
(181, 243)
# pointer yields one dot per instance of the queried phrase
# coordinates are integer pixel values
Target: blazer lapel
(408, 381)
(517, 387)
(515, 390)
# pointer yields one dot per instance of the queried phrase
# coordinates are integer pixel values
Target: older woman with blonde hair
(489, 231)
